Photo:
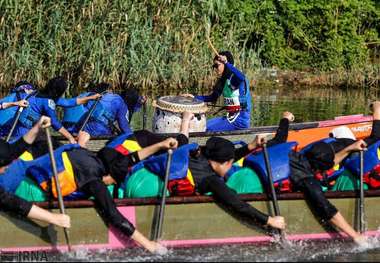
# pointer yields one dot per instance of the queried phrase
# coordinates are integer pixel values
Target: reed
(159, 45)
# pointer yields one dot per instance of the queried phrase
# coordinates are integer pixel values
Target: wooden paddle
(272, 190)
(158, 229)
(361, 202)
(57, 185)
(18, 114)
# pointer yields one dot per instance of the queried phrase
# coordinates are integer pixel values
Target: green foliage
(162, 43)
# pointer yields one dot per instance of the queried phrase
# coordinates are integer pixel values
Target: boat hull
(197, 220)
(188, 221)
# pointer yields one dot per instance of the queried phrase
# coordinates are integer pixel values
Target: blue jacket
(110, 108)
(238, 80)
(31, 114)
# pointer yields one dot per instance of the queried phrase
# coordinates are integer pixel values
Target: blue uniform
(111, 108)
(31, 114)
(237, 101)
(7, 115)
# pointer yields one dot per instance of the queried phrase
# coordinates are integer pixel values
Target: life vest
(371, 165)
(73, 115)
(181, 181)
(29, 116)
(231, 97)
(279, 160)
(326, 178)
(101, 114)
(6, 115)
(41, 170)
(125, 144)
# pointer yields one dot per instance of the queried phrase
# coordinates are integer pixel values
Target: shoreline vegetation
(161, 45)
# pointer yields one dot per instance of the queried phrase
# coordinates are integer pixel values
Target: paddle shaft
(158, 229)
(19, 111)
(361, 205)
(89, 114)
(57, 185)
(272, 190)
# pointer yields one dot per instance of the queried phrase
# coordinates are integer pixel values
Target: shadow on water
(315, 251)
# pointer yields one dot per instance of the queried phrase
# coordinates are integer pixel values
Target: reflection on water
(307, 104)
(332, 250)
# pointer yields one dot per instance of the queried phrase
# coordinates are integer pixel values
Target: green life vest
(231, 97)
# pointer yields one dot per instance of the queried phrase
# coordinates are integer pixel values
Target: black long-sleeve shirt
(8, 201)
(88, 171)
(11, 151)
(207, 181)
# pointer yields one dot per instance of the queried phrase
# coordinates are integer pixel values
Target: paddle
(273, 192)
(57, 185)
(158, 229)
(90, 112)
(19, 111)
(361, 202)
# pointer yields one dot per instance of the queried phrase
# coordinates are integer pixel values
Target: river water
(295, 251)
(307, 104)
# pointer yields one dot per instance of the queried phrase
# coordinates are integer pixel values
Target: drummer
(235, 89)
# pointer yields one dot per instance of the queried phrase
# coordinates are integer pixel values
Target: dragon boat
(198, 220)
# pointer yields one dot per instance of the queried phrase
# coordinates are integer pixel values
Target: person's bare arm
(67, 135)
(20, 103)
(169, 143)
(84, 100)
(31, 135)
(359, 145)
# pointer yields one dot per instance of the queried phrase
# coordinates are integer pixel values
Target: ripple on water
(327, 250)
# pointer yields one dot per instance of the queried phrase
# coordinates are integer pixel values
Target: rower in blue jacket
(8, 103)
(44, 103)
(112, 108)
(234, 87)
(19, 96)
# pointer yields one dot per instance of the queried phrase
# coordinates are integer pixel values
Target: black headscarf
(100, 88)
(131, 97)
(219, 85)
(54, 89)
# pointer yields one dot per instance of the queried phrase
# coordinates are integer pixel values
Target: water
(298, 251)
(307, 104)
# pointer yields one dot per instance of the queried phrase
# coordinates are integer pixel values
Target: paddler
(88, 173)
(10, 202)
(111, 108)
(322, 156)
